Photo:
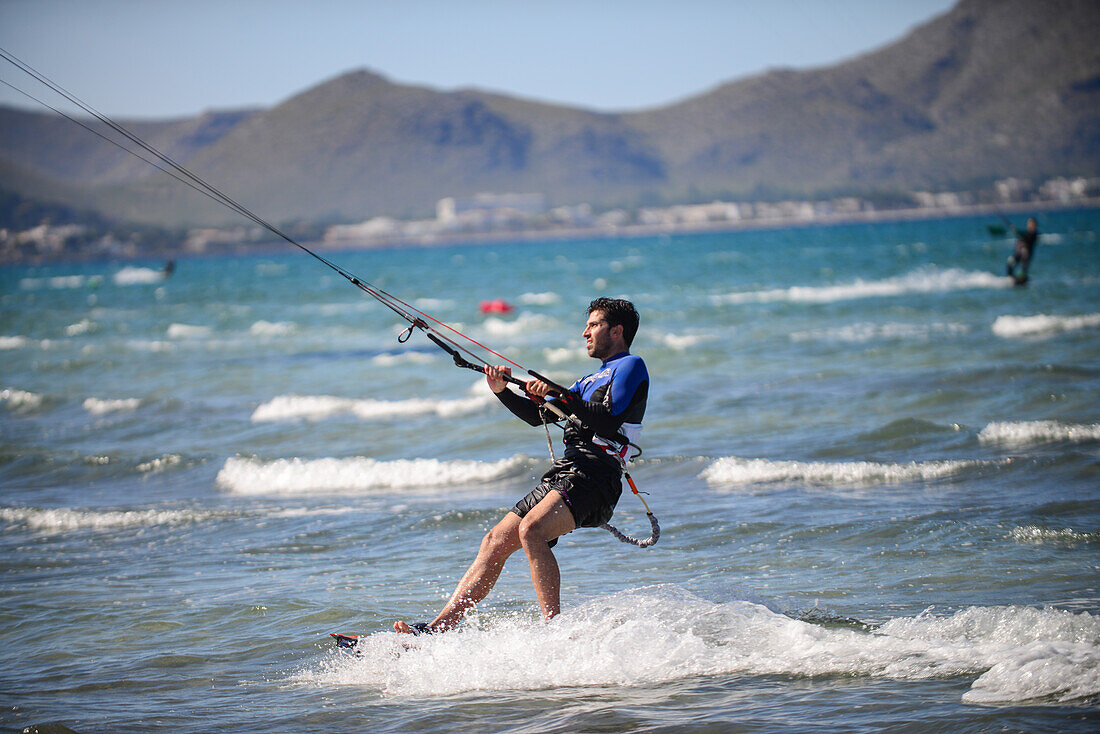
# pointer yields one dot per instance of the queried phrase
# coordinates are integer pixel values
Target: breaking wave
(267, 328)
(63, 519)
(84, 326)
(391, 359)
(682, 342)
(1042, 325)
(539, 299)
(928, 280)
(660, 634)
(525, 323)
(159, 464)
(57, 282)
(733, 471)
(1024, 433)
(20, 399)
(558, 355)
(187, 331)
(296, 476)
(862, 333)
(1054, 536)
(99, 406)
(13, 342)
(131, 275)
(320, 407)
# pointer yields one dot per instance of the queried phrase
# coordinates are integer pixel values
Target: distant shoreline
(632, 231)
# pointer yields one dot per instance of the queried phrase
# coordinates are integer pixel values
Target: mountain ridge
(990, 89)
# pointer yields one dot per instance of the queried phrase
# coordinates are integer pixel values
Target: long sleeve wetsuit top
(610, 403)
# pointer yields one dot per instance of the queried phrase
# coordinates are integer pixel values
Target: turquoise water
(875, 462)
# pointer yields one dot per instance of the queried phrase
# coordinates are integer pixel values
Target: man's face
(599, 337)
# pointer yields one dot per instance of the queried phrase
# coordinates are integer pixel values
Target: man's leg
(497, 545)
(549, 519)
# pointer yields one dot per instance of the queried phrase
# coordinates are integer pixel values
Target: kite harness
(455, 343)
(617, 447)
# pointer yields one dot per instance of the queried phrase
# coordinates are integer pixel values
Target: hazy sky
(163, 58)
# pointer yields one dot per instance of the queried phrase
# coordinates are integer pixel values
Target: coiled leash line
(620, 456)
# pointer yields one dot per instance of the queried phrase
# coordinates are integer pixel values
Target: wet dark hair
(618, 313)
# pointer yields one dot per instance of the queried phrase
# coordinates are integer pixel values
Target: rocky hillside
(993, 88)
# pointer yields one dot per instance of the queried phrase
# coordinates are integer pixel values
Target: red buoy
(497, 305)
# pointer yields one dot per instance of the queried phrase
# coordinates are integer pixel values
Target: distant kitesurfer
(1025, 246)
(583, 486)
(169, 268)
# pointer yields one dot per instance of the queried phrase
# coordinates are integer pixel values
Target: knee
(496, 543)
(531, 532)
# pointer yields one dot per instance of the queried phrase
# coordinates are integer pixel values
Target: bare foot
(403, 628)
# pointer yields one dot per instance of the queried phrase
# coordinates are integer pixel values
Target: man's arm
(521, 407)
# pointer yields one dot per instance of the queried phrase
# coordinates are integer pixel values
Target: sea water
(875, 462)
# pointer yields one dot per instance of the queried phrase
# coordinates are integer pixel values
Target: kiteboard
(348, 641)
(351, 642)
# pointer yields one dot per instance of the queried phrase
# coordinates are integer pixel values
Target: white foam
(56, 282)
(267, 328)
(150, 345)
(559, 355)
(928, 280)
(131, 275)
(390, 360)
(433, 304)
(734, 471)
(656, 635)
(1010, 327)
(1022, 653)
(159, 464)
(1055, 536)
(81, 327)
(539, 299)
(48, 521)
(187, 331)
(13, 342)
(525, 323)
(1023, 433)
(865, 332)
(682, 342)
(64, 519)
(19, 399)
(100, 406)
(320, 407)
(271, 269)
(357, 474)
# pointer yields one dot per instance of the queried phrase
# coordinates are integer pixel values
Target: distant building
(942, 200)
(453, 207)
(376, 227)
(1012, 189)
(1064, 190)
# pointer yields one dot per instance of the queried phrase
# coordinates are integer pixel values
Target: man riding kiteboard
(583, 486)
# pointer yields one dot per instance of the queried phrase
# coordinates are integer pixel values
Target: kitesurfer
(1025, 246)
(583, 486)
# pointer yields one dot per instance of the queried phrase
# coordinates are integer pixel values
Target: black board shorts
(590, 496)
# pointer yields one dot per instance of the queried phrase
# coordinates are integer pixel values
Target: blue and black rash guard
(610, 402)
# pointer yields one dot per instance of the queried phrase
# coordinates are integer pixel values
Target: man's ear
(619, 335)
